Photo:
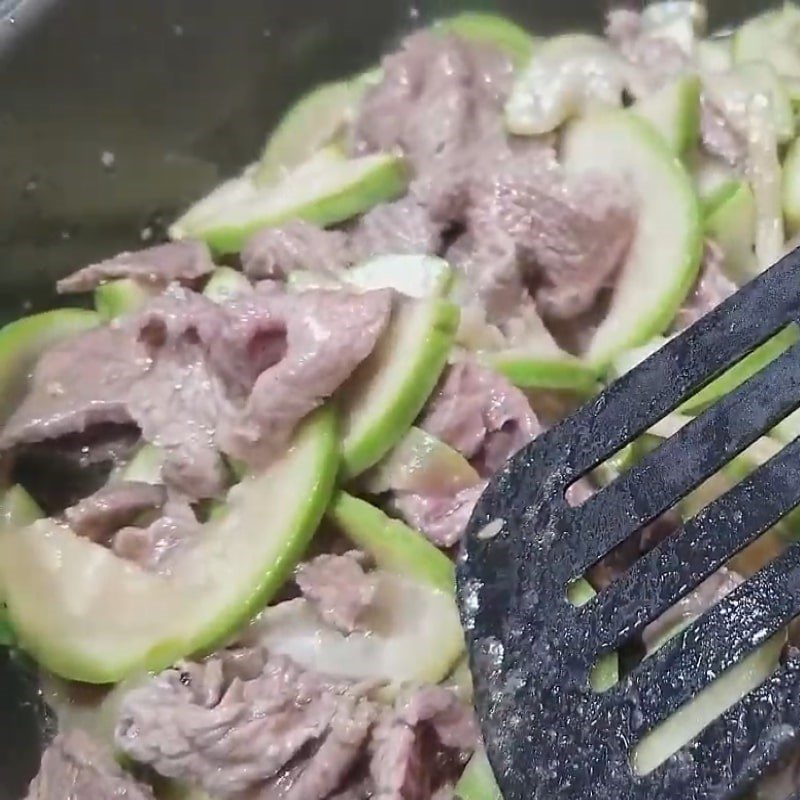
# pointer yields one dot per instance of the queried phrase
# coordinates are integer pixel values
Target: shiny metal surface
(115, 113)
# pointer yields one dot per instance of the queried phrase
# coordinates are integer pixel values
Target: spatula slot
(681, 463)
(704, 544)
(688, 722)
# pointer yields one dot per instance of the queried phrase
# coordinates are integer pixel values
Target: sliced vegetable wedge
(791, 189)
(225, 283)
(146, 465)
(674, 111)
(664, 257)
(772, 37)
(18, 509)
(392, 544)
(492, 29)
(568, 76)
(417, 276)
(477, 782)
(730, 687)
(739, 373)
(383, 398)
(535, 360)
(87, 615)
(326, 189)
(313, 122)
(412, 634)
(115, 298)
(732, 225)
(23, 341)
(413, 275)
(420, 463)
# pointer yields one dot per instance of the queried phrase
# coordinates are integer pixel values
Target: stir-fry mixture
(234, 491)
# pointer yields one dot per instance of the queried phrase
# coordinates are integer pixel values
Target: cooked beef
(696, 603)
(274, 253)
(75, 768)
(439, 95)
(719, 137)
(480, 414)
(245, 723)
(491, 278)
(525, 226)
(152, 546)
(712, 287)
(338, 588)
(571, 235)
(325, 336)
(404, 226)
(441, 517)
(657, 57)
(197, 376)
(103, 513)
(149, 369)
(158, 266)
(423, 744)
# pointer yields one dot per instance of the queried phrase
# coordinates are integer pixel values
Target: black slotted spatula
(548, 734)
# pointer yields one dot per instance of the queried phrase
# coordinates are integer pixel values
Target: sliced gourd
(420, 463)
(225, 283)
(568, 76)
(23, 341)
(626, 361)
(605, 673)
(742, 371)
(326, 189)
(664, 257)
(714, 55)
(313, 122)
(7, 638)
(766, 178)
(772, 37)
(674, 111)
(535, 360)
(304, 280)
(714, 197)
(690, 720)
(413, 275)
(459, 681)
(85, 614)
(477, 782)
(412, 634)
(712, 179)
(530, 370)
(145, 466)
(791, 189)
(231, 193)
(18, 509)
(732, 225)
(124, 296)
(392, 544)
(417, 276)
(386, 393)
(493, 29)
